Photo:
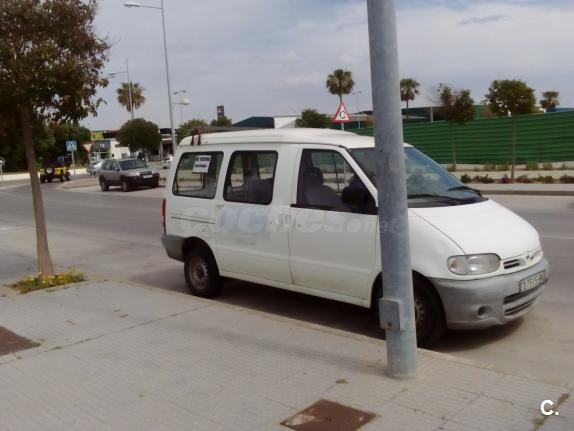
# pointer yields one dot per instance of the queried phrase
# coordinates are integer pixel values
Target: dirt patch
(11, 342)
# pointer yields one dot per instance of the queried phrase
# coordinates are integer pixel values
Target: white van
(296, 209)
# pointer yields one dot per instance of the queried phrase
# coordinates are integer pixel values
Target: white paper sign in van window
(201, 164)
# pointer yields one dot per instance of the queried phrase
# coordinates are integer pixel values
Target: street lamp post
(182, 102)
(127, 71)
(356, 94)
(396, 307)
(136, 4)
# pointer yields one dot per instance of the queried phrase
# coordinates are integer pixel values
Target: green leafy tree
(549, 99)
(50, 69)
(311, 118)
(409, 90)
(139, 134)
(70, 132)
(511, 97)
(123, 93)
(457, 107)
(11, 147)
(340, 82)
(187, 128)
(221, 122)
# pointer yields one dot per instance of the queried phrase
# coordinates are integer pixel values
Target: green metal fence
(540, 137)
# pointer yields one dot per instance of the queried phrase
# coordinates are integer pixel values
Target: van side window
(196, 175)
(250, 177)
(326, 181)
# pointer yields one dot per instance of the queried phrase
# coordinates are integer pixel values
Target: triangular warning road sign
(342, 115)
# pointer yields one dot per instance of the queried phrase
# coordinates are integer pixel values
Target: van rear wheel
(201, 273)
(429, 315)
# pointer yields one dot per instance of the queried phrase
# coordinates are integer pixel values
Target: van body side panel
(251, 238)
(333, 250)
(191, 217)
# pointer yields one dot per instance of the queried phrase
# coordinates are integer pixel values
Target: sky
(272, 57)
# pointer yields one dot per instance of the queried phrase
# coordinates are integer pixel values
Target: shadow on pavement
(333, 314)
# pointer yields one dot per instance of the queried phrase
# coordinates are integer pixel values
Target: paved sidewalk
(8, 177)
(116, 356)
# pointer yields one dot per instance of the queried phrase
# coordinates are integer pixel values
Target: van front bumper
(491, 301)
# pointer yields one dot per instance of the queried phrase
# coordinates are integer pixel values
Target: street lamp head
(186, 101)
(132, 4)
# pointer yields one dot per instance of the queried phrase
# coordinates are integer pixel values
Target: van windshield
(428, 183)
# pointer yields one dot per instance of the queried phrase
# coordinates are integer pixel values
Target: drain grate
(10, 342)
(327, 415)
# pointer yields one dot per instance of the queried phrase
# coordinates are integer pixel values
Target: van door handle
(283, 220)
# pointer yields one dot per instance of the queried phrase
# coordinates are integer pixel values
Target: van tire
(429, 314)
(103, 185)
(433, 328)
(201, 273)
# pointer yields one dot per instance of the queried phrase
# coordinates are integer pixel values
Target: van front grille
(512, 263)
(518, 308)
(515, 296)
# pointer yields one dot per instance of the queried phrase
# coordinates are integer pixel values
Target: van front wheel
(201, 273)
(429, 315)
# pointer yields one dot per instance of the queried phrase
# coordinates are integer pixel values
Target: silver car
(129, 174)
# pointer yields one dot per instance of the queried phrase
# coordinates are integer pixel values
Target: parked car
(55, 169)
(129, 174)
(166, 162)
(297, 209)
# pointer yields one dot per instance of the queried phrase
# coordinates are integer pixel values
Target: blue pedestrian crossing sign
(71, 146)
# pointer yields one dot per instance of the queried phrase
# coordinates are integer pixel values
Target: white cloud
(304, 79)
(271, 57)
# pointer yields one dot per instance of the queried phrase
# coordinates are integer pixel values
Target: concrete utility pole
(397, 315)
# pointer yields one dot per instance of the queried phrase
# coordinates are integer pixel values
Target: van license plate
(532, 282)
(146, 176)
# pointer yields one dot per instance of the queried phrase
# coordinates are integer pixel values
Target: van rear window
(250, 177)
(196, 175)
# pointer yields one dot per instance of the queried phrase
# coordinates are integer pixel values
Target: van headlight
(473, 264)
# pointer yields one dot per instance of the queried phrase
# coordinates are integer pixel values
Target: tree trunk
(453, 146)
(45, 267)
(407, 110)
(513, 149)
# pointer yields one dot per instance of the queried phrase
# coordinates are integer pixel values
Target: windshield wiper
(432, 195)
(470, 189)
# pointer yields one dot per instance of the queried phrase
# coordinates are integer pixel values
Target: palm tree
(549, 99)
(137, 96)
(409, 89)
(340, 82)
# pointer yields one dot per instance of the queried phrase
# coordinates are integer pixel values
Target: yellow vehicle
(57, 169)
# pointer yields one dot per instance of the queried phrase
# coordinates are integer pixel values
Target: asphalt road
(116, 235)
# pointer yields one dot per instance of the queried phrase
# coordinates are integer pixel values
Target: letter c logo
(546, 412)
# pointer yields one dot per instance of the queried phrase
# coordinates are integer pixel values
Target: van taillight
(163, 215)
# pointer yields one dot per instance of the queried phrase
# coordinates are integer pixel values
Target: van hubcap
(198, 273)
